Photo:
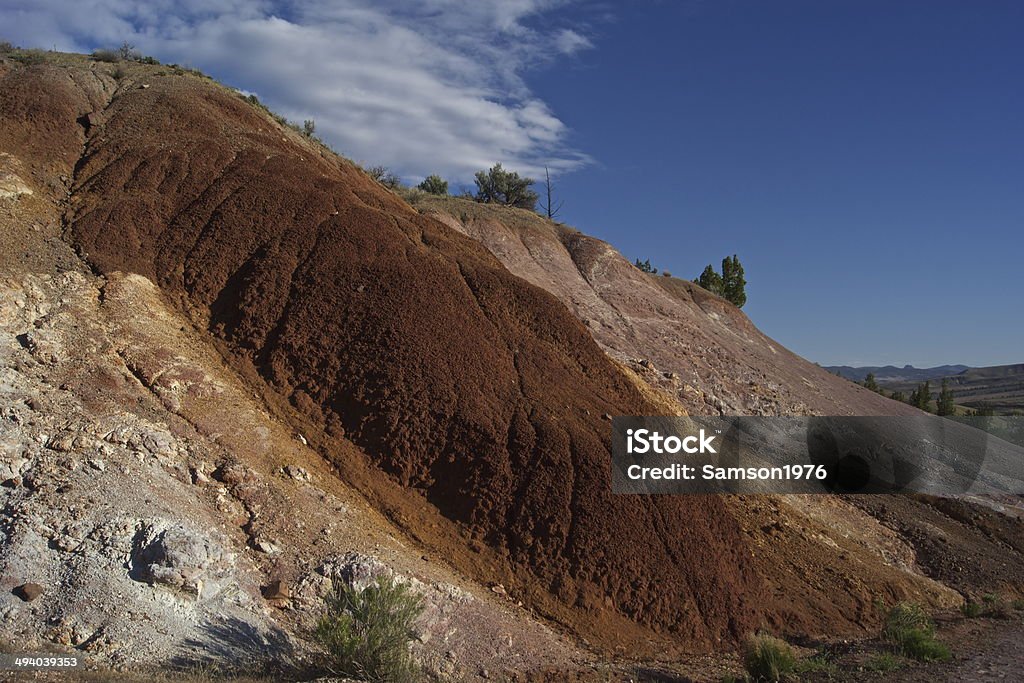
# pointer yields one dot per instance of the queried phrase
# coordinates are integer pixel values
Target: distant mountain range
(1000, 387)
(891, 373)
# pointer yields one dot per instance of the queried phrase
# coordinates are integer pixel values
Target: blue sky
(865, 159)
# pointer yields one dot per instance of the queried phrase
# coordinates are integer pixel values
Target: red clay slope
(461, 380)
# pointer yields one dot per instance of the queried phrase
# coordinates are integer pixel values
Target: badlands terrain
(236, 370)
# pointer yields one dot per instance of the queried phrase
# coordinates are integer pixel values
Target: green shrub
(911, 632)
(883, 662)
(971, 609)
(434, 184)
(904, 617)
(996, 606)
(1018, 605)
(924, 647)
(106, 56)
(645, 266)
(767, 658)
(498, 186)
(366, 633)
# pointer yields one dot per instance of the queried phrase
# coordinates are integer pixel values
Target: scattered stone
(235, 473)
(498, 589)
(199, 477)
(173, 556)
(28, 591)
(97, 464)
(277, 590)
(302, 439)
(267, 547)
(297, 473)
(10, 470)
(607, 417)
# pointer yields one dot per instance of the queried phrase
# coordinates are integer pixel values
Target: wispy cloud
(433, 86)
(569, 42)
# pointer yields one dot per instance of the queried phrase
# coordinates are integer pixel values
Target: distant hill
(891, 373)
(1000, 387)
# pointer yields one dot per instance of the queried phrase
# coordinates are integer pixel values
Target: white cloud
(569, 42)
(433, 86)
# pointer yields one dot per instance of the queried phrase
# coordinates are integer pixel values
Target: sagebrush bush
(910, 630)
(366, 633)
(996, 606)
(767, 658)
(496, 185)
(106, 56)
(971, 609)
(434, 184)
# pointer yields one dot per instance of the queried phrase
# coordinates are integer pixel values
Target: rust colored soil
(462, 382)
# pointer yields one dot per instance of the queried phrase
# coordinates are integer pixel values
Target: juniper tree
(870, 383)
(711, 281)
(945, 404)
(498, 186)
(733, 283)
(645, 266)
(921, 396)
(434, 184)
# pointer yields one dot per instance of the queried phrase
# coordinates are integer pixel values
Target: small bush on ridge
(106, 56)
(498, 186)
(434, 184)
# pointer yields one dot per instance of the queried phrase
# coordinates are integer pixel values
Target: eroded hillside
(228, 282)
(695, 345)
